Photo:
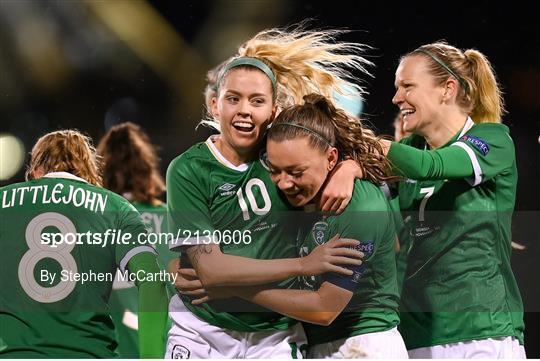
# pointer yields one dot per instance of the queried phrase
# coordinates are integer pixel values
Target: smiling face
(298, 169)
(244, 107)
(417, 95)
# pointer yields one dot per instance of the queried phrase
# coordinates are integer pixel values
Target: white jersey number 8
(38, 251)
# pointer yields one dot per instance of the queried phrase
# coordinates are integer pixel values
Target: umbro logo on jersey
(227, 187)
(409, 180)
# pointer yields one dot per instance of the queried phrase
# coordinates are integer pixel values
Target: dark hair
(130, 163)
(325, 125)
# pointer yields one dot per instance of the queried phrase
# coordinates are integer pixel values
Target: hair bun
(320, 102)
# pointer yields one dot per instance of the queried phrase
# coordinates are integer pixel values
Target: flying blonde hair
(65, 151)
(304, 62)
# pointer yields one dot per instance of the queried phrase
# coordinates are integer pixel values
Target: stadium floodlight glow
(11, 155)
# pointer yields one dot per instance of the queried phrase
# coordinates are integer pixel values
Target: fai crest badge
(180, 352)
(319, 232)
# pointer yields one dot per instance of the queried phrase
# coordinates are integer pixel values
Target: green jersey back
(458, 281)
(53, 301)
(210, 199)
(374, 307)
(124, 301)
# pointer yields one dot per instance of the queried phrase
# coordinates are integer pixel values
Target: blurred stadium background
(90, 64)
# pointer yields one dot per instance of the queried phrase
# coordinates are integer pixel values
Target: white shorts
(386, 344)
(191, 337)
(500, 347)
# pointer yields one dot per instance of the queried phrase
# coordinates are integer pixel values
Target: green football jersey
(374, 306)
(62, 240)
(458, 282)
(124, 301)
(209, 199)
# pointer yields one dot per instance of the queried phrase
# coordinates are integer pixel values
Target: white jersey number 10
(260, 211)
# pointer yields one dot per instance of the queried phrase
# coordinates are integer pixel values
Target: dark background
(92, 64)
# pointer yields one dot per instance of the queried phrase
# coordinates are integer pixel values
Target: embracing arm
(450, 162)
(338, 188)
(188, 210)
(320, 307)
(215, 268)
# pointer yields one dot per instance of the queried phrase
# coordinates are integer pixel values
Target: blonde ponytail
(485, 92)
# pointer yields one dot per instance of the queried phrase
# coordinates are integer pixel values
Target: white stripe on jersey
(132, 252)
(476, 165)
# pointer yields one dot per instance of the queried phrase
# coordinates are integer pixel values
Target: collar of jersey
(468, 125)
(220, 158)
(64, 175)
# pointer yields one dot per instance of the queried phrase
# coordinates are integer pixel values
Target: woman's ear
(214, 108)
(450, 89)
(275, 112)
(332, 157)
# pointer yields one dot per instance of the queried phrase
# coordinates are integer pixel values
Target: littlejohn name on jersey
(76, 196)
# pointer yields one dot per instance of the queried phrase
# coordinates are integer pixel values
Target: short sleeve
(188, 204)
(490, 150)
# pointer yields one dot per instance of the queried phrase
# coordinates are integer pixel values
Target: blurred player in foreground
(54, 296)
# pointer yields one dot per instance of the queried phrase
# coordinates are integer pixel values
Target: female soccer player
(235, 228)
(54, 297)
(130, 168)
(460, 297)
(305, 142)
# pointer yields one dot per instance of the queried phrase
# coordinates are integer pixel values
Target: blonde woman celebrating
(460, 298)
(71, 318)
